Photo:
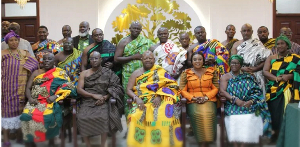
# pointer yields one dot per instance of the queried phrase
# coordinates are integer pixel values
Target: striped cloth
(14, 76)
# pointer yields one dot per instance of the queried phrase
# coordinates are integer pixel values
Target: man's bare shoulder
(225, 42)
(138, 72)
(193, 46)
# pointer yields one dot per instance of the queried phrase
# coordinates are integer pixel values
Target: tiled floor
(191, 142)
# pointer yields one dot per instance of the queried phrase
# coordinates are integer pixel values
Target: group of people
(258, 78)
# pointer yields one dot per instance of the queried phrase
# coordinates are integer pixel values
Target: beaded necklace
(19, 57)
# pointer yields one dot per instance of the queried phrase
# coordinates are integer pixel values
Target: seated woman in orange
(197, 87)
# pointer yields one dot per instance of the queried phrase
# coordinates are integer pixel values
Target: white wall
(14, 10)
(288, 6)
(214, 15)
(56, 13)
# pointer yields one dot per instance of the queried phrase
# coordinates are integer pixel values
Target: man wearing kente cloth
(42, 116)
(69, 60)
(167, 54)
(96, 87)
(230, 32)
(282, 70)
(263, 34)
(44, 45)
(105, 48)
(153, 121)
(129, 53)
(215, 53)
(254, 54)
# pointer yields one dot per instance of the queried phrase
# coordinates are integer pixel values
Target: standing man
(129, 53)
(167, 54)
(44, 45)
(230, 32)
(23, 44)
(263, 34)
(105, 48)
(84, 39)
(215, 53)
(4, 29)
(69, 59)
(254, 54)
(66, 32)
(295, 49)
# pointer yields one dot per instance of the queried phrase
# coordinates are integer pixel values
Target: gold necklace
(20, 57)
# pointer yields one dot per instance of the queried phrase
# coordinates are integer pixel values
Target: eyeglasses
(67, 43)
(233, 63)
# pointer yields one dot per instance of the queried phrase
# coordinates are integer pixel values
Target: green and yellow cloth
(155, 127)
(42, 121)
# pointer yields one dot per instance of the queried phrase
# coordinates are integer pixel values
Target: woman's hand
(156, 102)
(200, 100)
(239, 102)
(51, 99)
(32, 101)
(140, 103)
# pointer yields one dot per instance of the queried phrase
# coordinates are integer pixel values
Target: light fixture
(22, 3)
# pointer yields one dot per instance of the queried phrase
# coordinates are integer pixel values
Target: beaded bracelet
(233, 102)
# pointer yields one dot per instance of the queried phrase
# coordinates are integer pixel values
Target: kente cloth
(138, 45)
(214, 49)
(253, 53)
(170, 57)
(245, 88)
(41, 48)
(229, 45)
(103, 81)
(43, 121)
(203, 120)
(270, 43)
(155, 127)
(14, 75)
(107, 51)
(72, 65)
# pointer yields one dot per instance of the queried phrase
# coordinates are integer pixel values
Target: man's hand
(32, 101)
(51, 99)
(137, 56)
(97, 96)
(140, 103)
(109, 65)
(99, 102)
(156, 102)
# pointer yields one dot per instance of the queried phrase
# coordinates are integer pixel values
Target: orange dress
(202, 116)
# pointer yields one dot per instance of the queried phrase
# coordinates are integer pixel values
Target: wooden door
(28, 25)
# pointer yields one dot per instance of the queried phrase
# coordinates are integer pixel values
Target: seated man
(96, 116)
(167, 54)
(69, 60)
(154, 118)
(42, 116)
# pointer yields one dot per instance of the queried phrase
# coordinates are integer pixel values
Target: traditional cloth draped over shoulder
(170, 57)
(270, 44)
(72, 65)
(14, 75)
(138, 45)
(245, 87)
(214, 49)
(48, 45)
(90, 116)
(253, 53)
(287, 65)
(155, 127)
(229, 45)
(43, 121)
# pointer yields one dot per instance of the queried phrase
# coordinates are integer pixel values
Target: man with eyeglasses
(69, 60)
(295, 49)
(84, 39)
(66, 32)
(105, 48)
(23, 44)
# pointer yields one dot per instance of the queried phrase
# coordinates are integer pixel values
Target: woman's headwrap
(284, 38)
(9, 35)
(238, 57)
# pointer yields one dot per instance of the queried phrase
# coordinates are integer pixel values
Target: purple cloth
(9, 35)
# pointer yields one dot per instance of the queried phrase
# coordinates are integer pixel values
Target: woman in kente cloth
(42, 116)
(16, 67)
(282, 70)
(246, 112)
